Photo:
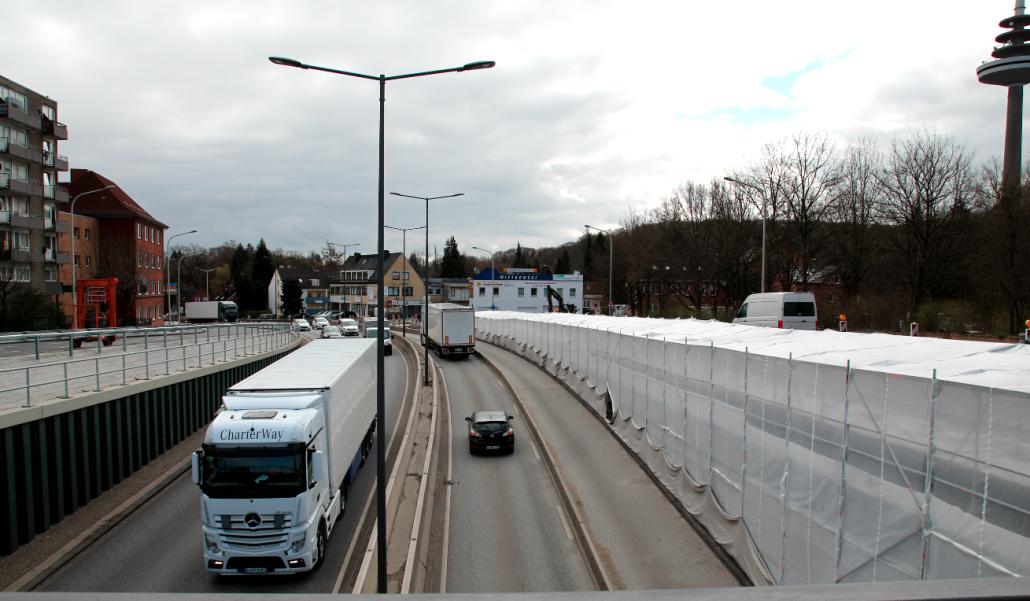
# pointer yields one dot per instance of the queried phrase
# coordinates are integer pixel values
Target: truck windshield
(253, 473)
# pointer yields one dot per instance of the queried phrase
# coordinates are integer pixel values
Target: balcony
(20, 151)
(61, 194)
(23, 187)
(21, 255)
(5, 216)
(18, 113)
(60, 162)
(27, 221)
(49, 255)
(48, 223)
(55, 128)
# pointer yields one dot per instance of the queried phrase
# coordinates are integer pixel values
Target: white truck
(202, 311)
(452, 329)
(278, 460)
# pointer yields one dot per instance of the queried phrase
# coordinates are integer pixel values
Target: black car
(491, 431)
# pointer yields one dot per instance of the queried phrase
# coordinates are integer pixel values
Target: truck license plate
(492, 447)
(254, 570)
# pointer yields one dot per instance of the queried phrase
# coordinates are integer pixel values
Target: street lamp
(380, 367)
(611, 256)
(345, 247)
(404, 278)
(168, 292)
(75, 291)
(425, 283)
(761, 192)
(207, 281)
(493, 274)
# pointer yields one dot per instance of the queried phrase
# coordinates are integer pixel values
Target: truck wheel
(320, 544)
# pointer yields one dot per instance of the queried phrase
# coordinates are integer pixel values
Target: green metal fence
(51, 466)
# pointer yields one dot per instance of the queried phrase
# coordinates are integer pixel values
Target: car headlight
(212, 544)
(298, 545)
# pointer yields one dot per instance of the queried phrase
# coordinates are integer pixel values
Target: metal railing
(164, 351)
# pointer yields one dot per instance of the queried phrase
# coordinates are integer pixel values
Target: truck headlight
(212, 544)
(298, 544)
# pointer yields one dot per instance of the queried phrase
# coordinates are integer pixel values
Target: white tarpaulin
(813, 456)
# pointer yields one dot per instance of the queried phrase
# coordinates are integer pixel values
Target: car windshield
(348, 323)
(371, 332)
(491, 427)
(257, 473)
(331, 330)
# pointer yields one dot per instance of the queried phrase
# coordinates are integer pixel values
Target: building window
(146, 233)
(482, 292)
(139, 259)
(572, 293)
(139, 231)
(51, 274)
(406, 274)
(75, 233)
(159, 236)
(76, 260)
(532, 291)
(89, 260)
(396, 275)
(22, 274)
(87, 233)
(393, 291)
(522, 292)
(408, 291)
(496, 290)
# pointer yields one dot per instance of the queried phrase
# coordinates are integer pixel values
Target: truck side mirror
(468, 419)
(317, 468)
(511, 417)
(197, 456)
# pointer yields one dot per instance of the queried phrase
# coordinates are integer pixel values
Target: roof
(358, 262)
(113, 203)
(317, 365)
(304, 275)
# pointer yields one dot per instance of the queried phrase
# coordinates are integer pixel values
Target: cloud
(595, 107)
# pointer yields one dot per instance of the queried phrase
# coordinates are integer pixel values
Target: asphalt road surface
(507, 530)
(159, 549)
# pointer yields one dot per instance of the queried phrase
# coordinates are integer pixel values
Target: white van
(794, 310)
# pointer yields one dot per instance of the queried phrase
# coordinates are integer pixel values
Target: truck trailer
(278, 459)
(452, 329)
(205, 311)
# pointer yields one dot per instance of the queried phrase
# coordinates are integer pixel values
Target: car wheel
(319, 548)
(472, 449)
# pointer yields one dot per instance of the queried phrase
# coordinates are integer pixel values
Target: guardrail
(164, 350)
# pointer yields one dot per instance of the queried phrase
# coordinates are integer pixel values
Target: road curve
(507, 530)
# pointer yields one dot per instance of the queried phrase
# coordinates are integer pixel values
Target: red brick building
(130, 247)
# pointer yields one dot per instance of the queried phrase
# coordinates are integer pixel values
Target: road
(158, 548)
(507, 530)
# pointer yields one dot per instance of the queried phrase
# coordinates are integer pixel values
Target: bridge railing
(36, 376)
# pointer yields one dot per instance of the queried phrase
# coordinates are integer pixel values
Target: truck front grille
(271, 532)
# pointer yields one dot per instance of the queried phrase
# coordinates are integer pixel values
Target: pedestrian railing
(152, 352)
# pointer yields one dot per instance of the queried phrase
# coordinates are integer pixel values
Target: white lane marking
(450, 487)
(564, 522)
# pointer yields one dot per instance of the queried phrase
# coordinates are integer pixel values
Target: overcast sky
(594, 108)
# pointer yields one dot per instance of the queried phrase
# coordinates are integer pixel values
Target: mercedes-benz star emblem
(252, 520)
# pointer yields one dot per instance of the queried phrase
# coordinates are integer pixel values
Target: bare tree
(928, 186)
(1003, 259)
(852, 248)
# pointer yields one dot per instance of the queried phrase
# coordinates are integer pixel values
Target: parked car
(490, 431)
(349, 327)
(331, 332)
(319, 322)
(301, 325)
(387, 342)
(792, 310)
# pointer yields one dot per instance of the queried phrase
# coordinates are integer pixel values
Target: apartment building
(129, 246)
(356, 290)
(29, 194)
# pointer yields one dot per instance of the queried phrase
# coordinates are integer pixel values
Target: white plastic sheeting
(806, 454)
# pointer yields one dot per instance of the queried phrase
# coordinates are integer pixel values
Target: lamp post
(207, 281)
(761, 192)
(75, 291)
(380, 368)
(404, 277)
(425, 283)
(493, 274)
(168, 292)
(611, 257)
(345, 247)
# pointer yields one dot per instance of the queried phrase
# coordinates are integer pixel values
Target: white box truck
(277, 461)
(452, 329)
(203, 311)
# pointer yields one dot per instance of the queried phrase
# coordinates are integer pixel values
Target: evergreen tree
(454, 264)
(564, 263)
(262, 267)
(520, 256)
(291, 297)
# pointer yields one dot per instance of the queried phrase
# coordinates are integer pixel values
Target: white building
(524, 290)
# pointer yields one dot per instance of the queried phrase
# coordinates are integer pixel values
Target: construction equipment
(97, 307)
